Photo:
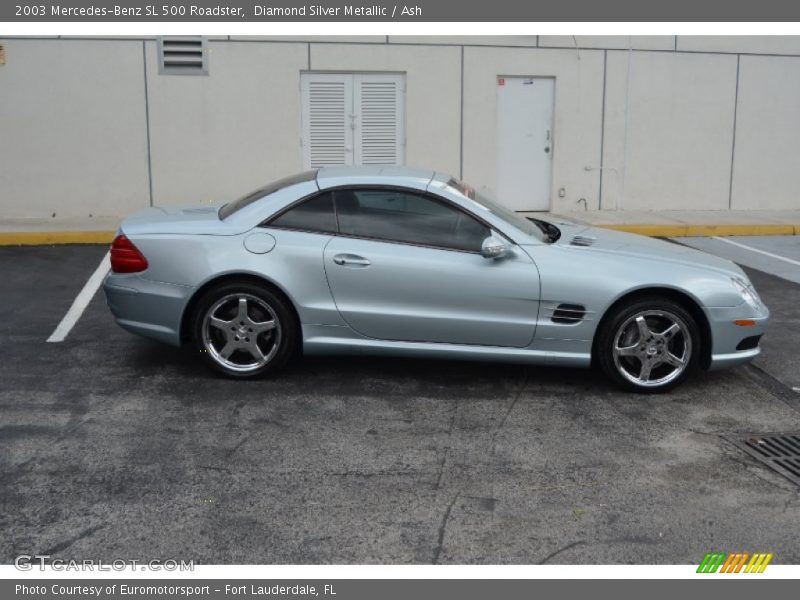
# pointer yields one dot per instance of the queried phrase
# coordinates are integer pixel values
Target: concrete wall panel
(673, 148)
(72, 128)
(755, 44)
(619, 42)
(766, 172)
(342, 39)
(467, 40)
(216, 137)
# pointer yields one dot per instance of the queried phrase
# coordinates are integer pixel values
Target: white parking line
(764, 252)
(81, 301)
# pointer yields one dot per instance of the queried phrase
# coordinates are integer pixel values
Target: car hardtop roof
(330, 177)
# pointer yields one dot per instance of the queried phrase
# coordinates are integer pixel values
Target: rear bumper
(148, 308)
(731, 345)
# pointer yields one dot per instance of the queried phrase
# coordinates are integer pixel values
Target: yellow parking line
(44, 238)
(727, 230)
(681, 230)
(676, 230)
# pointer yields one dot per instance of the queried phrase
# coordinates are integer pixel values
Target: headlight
(748, 293)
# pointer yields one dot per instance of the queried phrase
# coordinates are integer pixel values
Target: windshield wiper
(551, 232)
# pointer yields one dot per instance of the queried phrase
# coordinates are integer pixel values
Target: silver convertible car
(407, 262)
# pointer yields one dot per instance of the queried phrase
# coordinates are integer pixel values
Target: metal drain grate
(779, 451)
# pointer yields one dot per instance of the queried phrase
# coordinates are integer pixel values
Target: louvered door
(352, 119)
(378, 119)
(327, 120)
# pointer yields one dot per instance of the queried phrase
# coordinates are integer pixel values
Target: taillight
(125, 257)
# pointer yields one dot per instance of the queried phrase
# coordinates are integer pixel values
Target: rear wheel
(244, 330)
(648, 345)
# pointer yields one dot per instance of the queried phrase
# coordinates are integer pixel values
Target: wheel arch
(186, 317)
(685, 300)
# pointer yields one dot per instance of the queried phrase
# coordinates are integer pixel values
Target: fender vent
(568, 314)
(580, 240)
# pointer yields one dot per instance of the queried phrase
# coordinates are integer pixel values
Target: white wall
(767, 158)
(75, 119)
(741, 44)
(669, 132)
(216, 137)
(468, 40)
(577, 117)
(72, 128)
(621, 42)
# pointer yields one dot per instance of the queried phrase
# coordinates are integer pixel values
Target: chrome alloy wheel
(652, 348)
(241, 332)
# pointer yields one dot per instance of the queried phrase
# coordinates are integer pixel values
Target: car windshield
(231, 207)
(536, 228)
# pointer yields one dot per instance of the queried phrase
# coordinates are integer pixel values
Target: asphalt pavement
(116, 447)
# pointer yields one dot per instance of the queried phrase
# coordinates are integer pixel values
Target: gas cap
(259, 243)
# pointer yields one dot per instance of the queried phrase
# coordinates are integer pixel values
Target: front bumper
(727, 336)
(152, 309)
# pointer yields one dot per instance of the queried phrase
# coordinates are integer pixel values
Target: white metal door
(327, 111)
(524, 141)
(379, 127)
(352, 119)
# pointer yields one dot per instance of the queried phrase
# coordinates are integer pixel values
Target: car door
(407, 266)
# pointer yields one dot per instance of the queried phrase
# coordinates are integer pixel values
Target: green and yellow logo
(744, 562)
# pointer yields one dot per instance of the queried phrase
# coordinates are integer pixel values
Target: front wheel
(648, 345)
(244, 330)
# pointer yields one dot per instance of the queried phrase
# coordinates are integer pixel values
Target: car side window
(315, 214)
(400, 216)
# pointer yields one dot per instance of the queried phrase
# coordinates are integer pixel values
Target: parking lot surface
(776, 254)
(115, 447)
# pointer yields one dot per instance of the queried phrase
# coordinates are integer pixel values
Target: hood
(192, 220)
(629, 245)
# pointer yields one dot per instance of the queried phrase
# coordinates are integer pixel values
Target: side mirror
(494, 247)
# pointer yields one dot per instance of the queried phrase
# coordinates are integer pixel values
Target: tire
(244, 345)
(652, 359)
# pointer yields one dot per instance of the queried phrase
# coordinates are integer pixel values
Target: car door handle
(351, 260)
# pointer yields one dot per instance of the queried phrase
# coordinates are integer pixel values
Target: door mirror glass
(494, 247)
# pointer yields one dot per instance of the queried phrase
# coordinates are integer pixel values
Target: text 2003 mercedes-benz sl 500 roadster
(411, 262)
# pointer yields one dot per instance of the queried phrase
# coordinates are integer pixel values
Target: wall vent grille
(182, 55)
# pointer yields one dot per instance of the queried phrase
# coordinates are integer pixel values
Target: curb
(46, 238)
